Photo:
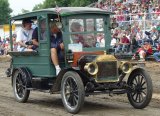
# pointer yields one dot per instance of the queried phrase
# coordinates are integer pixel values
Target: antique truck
(87, 66)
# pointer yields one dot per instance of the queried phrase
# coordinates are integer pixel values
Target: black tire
(72, 92)
(20, 82)
(141, 93)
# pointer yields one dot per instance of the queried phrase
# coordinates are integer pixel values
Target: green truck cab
(87, 67)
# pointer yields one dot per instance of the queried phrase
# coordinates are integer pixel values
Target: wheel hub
(138, 88)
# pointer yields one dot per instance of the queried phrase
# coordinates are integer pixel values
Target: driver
(56, 41)
(87, 40)
(77, 38)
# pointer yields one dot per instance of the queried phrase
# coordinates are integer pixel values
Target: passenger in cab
(57, 45)
(42, 34)
(56, 41)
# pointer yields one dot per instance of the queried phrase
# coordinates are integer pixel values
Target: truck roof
(63, 11)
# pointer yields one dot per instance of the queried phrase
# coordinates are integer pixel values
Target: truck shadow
(88, 107)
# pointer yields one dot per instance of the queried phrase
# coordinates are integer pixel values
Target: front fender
(135, 68)
(57, 84)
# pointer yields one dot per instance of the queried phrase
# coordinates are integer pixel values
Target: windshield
(87, 32)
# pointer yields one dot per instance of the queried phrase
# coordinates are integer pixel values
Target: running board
(108, 92)
(34, 89)
(44, 91)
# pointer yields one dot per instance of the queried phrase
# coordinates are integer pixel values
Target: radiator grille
(107, 71)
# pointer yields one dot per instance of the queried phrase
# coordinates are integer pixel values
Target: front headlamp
(125, 67)
(91, 68)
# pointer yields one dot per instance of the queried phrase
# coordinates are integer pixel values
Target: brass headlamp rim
(122, 63)
(87, 66)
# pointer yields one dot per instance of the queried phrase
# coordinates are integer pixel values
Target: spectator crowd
(139, 25)
(5, 44)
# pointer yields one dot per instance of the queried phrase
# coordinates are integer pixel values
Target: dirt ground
(44, 104)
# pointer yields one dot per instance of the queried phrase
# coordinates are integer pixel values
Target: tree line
(5, 10)
(63, 3)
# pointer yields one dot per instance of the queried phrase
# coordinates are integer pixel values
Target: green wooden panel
(38, 65)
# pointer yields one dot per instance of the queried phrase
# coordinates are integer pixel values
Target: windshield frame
(84, 17)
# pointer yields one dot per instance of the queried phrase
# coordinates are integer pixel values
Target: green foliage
(63, 3)
(5, 11)
(24, 11)
(37, 7)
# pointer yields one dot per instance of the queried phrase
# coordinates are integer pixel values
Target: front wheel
(20, 85)
(72, 92)
(141, 85)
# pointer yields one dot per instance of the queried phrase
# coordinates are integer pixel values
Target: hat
(153, 28)
(146, 41)
(27, 21)
(147, 33)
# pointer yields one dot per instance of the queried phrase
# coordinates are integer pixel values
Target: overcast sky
(18, 5)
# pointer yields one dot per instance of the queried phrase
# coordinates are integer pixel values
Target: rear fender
(27, 73)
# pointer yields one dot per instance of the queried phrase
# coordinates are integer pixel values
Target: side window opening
(22, 33)
(43, 28)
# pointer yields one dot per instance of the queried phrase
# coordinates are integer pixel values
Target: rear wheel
(20, 85)
(72, 92)
(141, 85)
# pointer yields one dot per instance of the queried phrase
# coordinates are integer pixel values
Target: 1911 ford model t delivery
(87, 67)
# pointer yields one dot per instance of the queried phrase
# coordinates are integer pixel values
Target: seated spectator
(154, 35)
(158, 39)
(24, 35)
(1, 47)
(15, 44)
(133, 43)
(113, 42)
(148, 37)
(145, 50)
(158, 27)
(123, 45)
(139, 38)
(156, 55)
(6, 46)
